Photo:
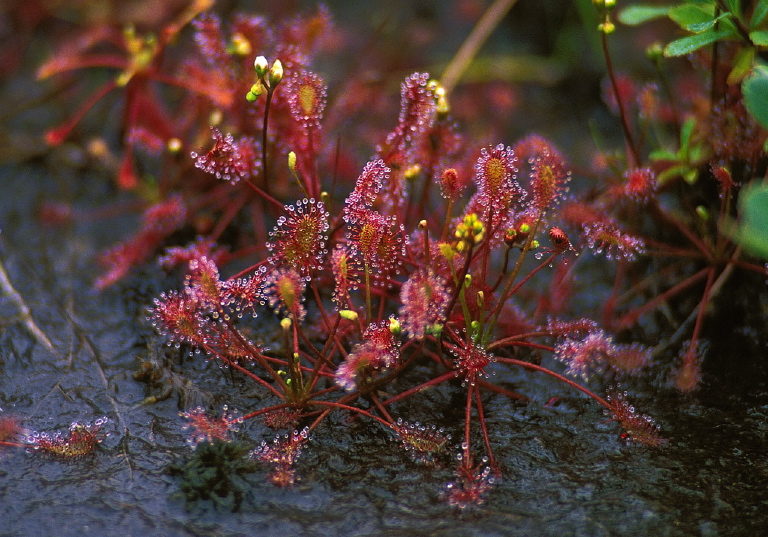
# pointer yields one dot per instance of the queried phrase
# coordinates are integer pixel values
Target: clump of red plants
(441, 257)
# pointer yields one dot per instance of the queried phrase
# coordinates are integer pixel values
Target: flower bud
(260, 65)
(607, 27)
(394, 326)
(256, 91)
(275, 74)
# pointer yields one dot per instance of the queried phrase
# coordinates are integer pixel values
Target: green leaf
(686, 45)
(742, 65)
(734, 6)
(688, 17)
(639, 14)
(759, 37)
(758, 16)
(685, 134)
(752, 231)
(698, 28)
(662, 154)
(755, 89)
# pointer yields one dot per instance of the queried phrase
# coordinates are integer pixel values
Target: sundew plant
(426, 259)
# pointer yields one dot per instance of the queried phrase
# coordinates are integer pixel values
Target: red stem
(569, 382)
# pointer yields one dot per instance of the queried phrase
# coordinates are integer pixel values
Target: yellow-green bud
(256, 91)
(349, 315)
(467, 281)
(260, 65)
(275, 74)
(604, 4)
(239, 46)
(286, 323)
(447, 250)
(703, 212)
(394, 326)
(607, 27)
(292, 161)
(469, 232)
(655, 52)
(412, 172)
(258, 88)
(435, 329)
(442, 106)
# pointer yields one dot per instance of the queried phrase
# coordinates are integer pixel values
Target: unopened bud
(435, 329)
(349, 315)
(240, 46)
(655, 52)
(703, 212)
(256, 91)
(394, 326)
(412, 172)
(292, 161)
(607, 27)
(260, 65)
(275, 74)
(475, 326)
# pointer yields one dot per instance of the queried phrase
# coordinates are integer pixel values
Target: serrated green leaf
(639, 14)
(755, 89)
(687, 15)
(759, 14)
(686, 45)
(759, 37)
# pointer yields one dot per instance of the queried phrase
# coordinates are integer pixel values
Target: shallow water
(566, 471)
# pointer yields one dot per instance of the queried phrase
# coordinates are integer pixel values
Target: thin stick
(469, 49)
(9, 290)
